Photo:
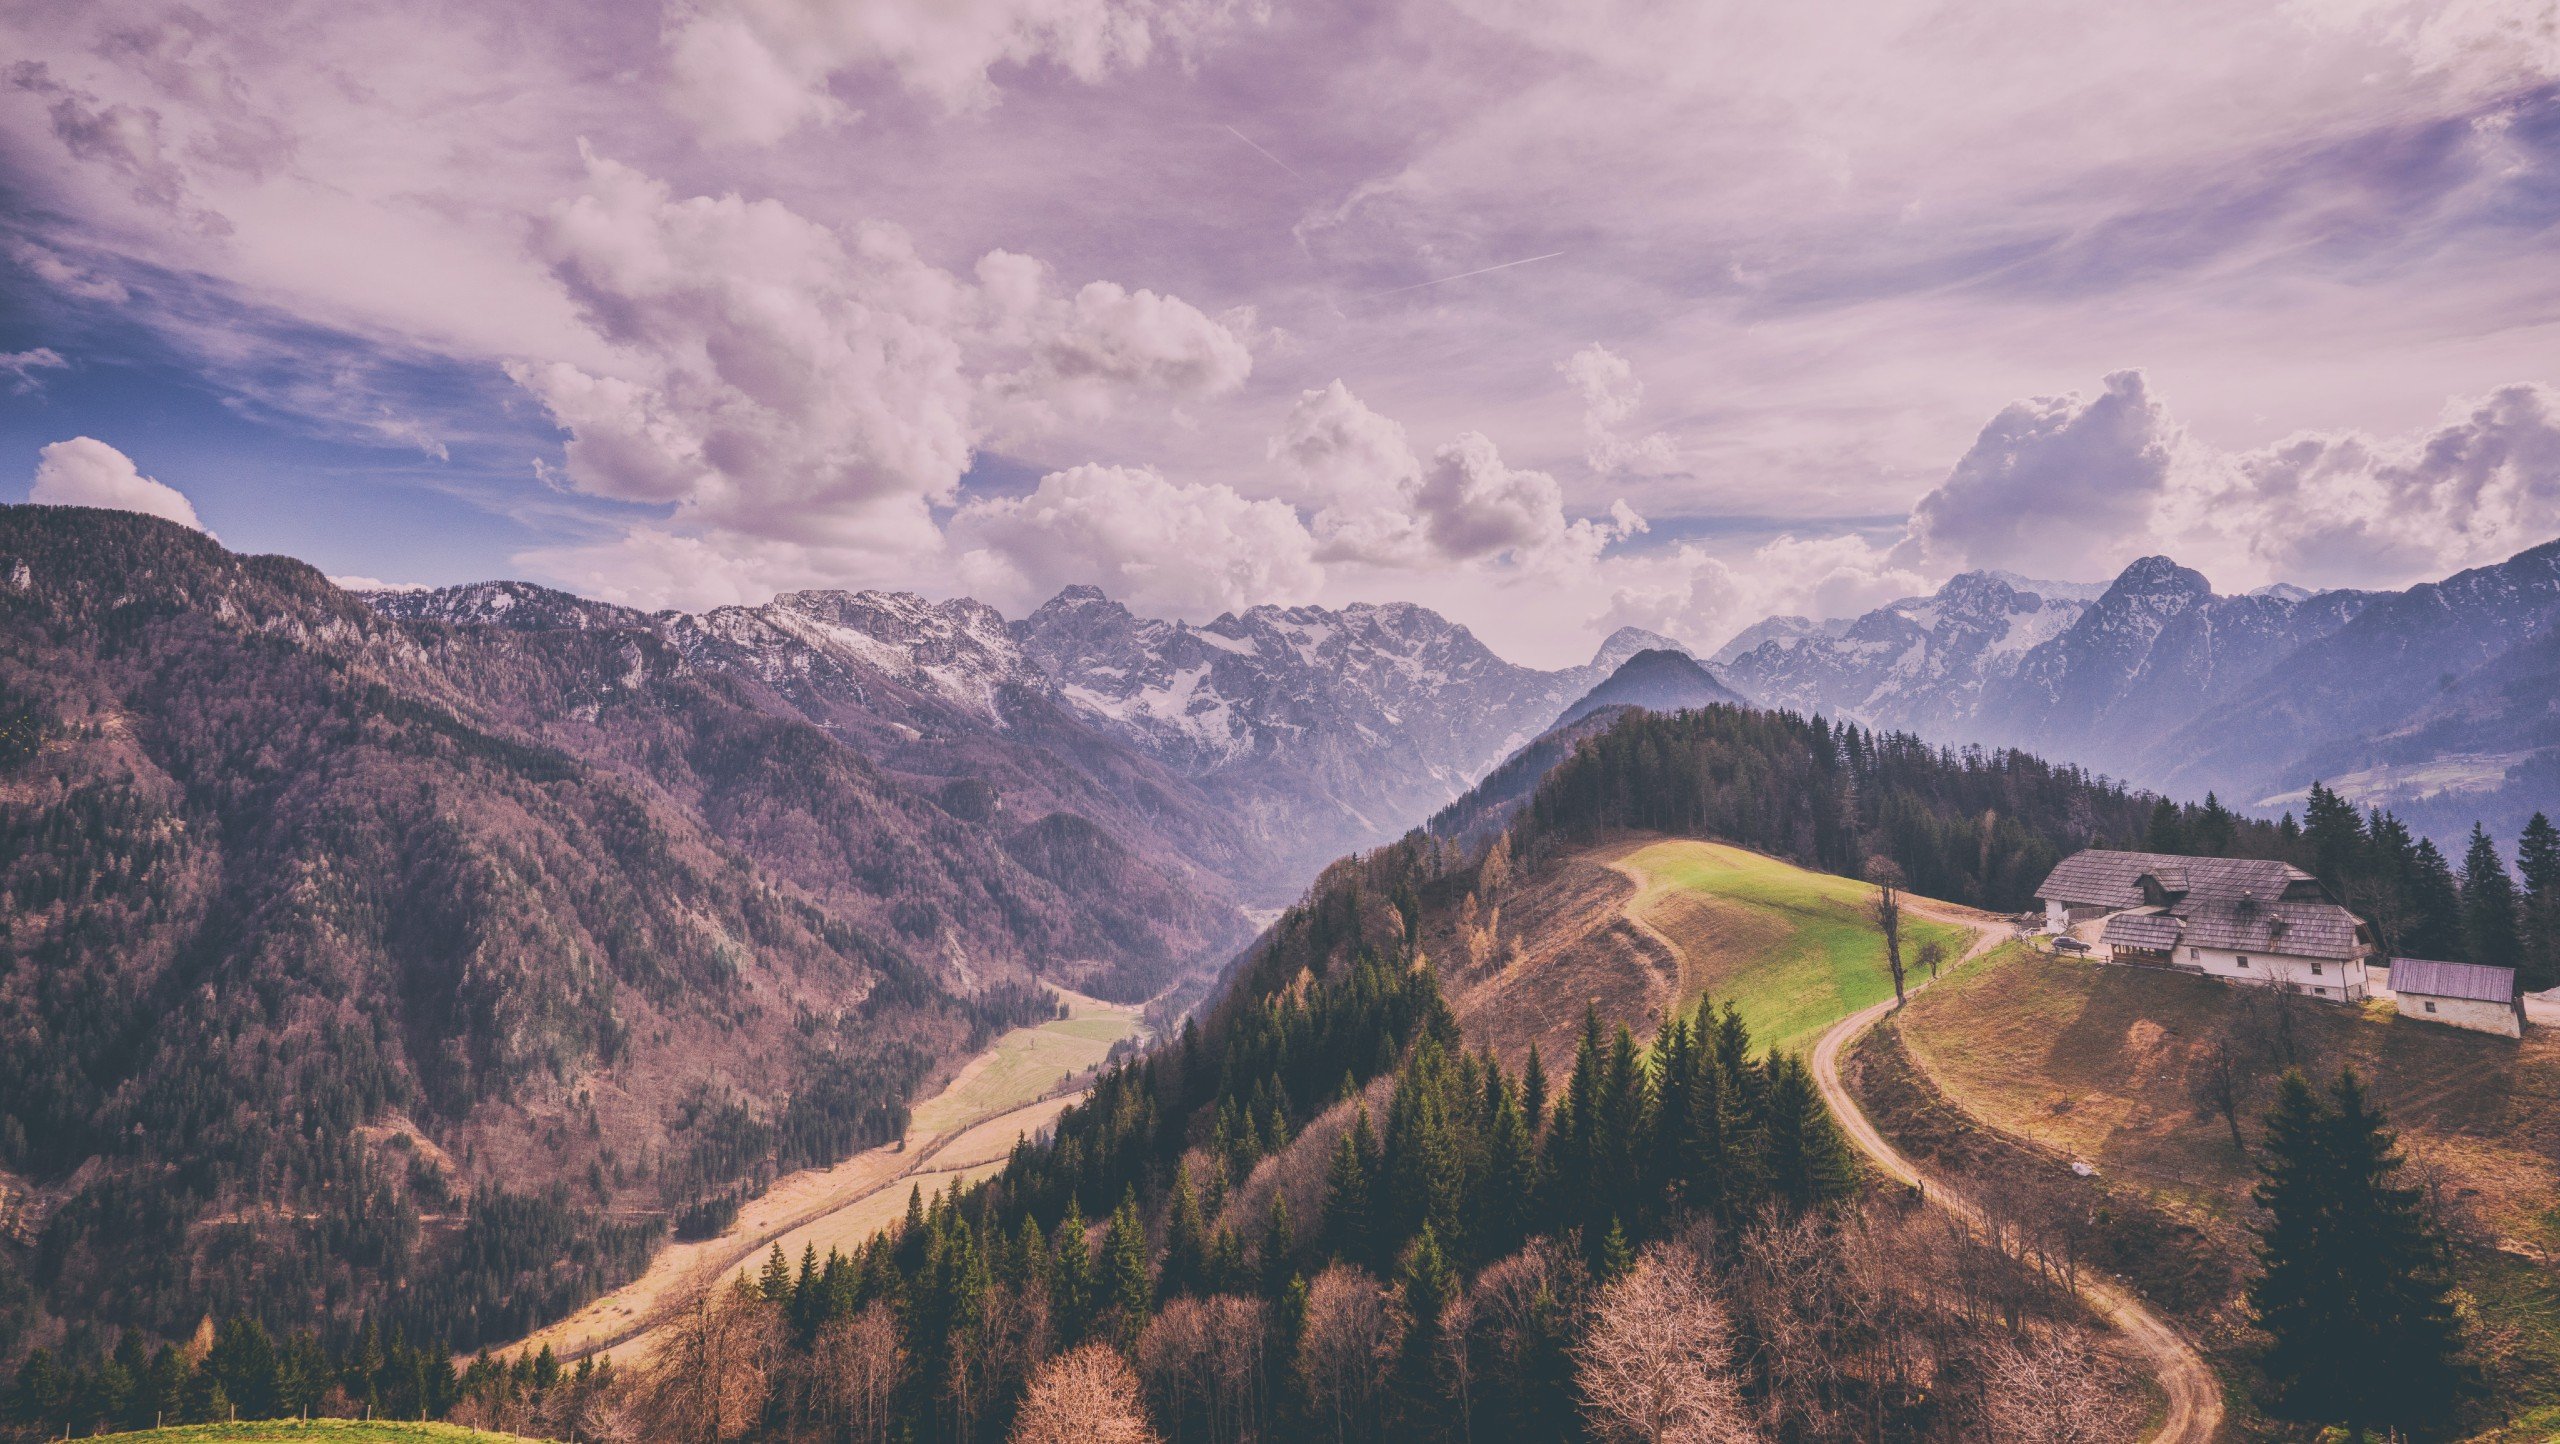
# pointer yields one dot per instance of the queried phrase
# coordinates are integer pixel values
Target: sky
(1553, 316)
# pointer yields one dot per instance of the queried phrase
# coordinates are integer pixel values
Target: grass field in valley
(962, 1132)
(2098, 1063)
(1793, 950)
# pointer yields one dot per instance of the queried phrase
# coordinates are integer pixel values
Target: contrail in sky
(1266, 155)
(1462, 275)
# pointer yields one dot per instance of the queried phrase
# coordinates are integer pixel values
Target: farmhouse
(2243, 920)
(2466, 995)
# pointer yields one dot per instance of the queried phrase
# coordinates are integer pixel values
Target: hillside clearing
(1017, 1085)
(1795, 951)
(2078, 1060)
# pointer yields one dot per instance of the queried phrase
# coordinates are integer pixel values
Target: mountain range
(1262, 744)
(2441, 701)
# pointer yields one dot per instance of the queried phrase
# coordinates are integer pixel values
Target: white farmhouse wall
(2328, 979)
(2499, 1018)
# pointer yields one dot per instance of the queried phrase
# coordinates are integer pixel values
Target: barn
(2465, 995)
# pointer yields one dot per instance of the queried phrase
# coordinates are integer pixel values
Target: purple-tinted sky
(1553, 316)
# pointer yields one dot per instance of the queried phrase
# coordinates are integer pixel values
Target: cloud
(1084, 350)
(87, 472)
(2349, 509)
(775, 378)
(1163, 547)
(21, 366)
(62, 276)
(2053, 484)
(1610, 395)
(1378, 503)
(2082, 487)
(1701, 598)
(754, 71)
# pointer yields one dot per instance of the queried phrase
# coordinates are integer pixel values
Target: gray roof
(2143, 928)
(2476, 981)
(2104, 877)
(2244, 905)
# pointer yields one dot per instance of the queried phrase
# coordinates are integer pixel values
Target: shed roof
(2477, 982)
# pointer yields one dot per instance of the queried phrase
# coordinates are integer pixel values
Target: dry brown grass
(2098, 1061)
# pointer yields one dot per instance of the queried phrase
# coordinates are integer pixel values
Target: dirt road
(2195, 1398)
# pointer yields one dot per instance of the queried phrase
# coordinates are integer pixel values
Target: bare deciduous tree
(859, 1363)
(1347, 1347)
(2055, 1389)
(1202, 1358)
(1657, 1364)
(708, 1385)
(1886, 905)
(2219, 1082)
(1083, 1396)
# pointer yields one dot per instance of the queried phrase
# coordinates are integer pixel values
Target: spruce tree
(1071, 1275)
(2167, 833)
(2214, 830)
(2538, 860)
(2333, 833)
(1186, 1251)
(2435, 907)
(1807, 1159)
(2352, 1291)
(2489, 931)
(1125, 1288)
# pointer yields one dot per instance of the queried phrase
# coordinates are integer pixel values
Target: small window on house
(2244, 960)
(2315, 970)
(2431, 1005)
(2195, 955)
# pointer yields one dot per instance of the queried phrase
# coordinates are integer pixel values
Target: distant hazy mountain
(2442, 701)
(1659, 680)
(1260, 744)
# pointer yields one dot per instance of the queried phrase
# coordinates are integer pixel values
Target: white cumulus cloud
(1162, 546)
(85, 471)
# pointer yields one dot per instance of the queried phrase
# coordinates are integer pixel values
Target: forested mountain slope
(423, 973)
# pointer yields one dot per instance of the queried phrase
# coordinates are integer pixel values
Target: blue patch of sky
(299, 440)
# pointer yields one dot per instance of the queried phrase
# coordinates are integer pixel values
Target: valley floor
(1017, 1086)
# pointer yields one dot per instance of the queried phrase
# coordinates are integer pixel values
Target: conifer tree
(775, 1283)
(2538, 861)
(2352, 1290)
(2166, 832)
(1279, 1239)
(1186, 1250)
(2435, 907)
(1071, 1282)
(1533, 1091)
(2489, 930)
(1125, 1288)
(1346, 1201)
(1808, 1161)
(2333, 833)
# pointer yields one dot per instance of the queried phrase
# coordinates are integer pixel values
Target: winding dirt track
(2195, 1399)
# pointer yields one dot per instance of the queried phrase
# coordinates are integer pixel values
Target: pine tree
(1533, 1091)
(2333, 833)
(1279, 1239)
(1125, 1288)
(1808, 1161)
(2167, 833)
(1346, 1201)
(2538, 860)
(1186, 1251)
(1071, 1282)
(2489, 931)
(2214, 830)
(775, 1284)
(2352, 1290)
(1428, 1279)
(2435, 906)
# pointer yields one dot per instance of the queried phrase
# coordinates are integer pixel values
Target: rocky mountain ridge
(1306, 731)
